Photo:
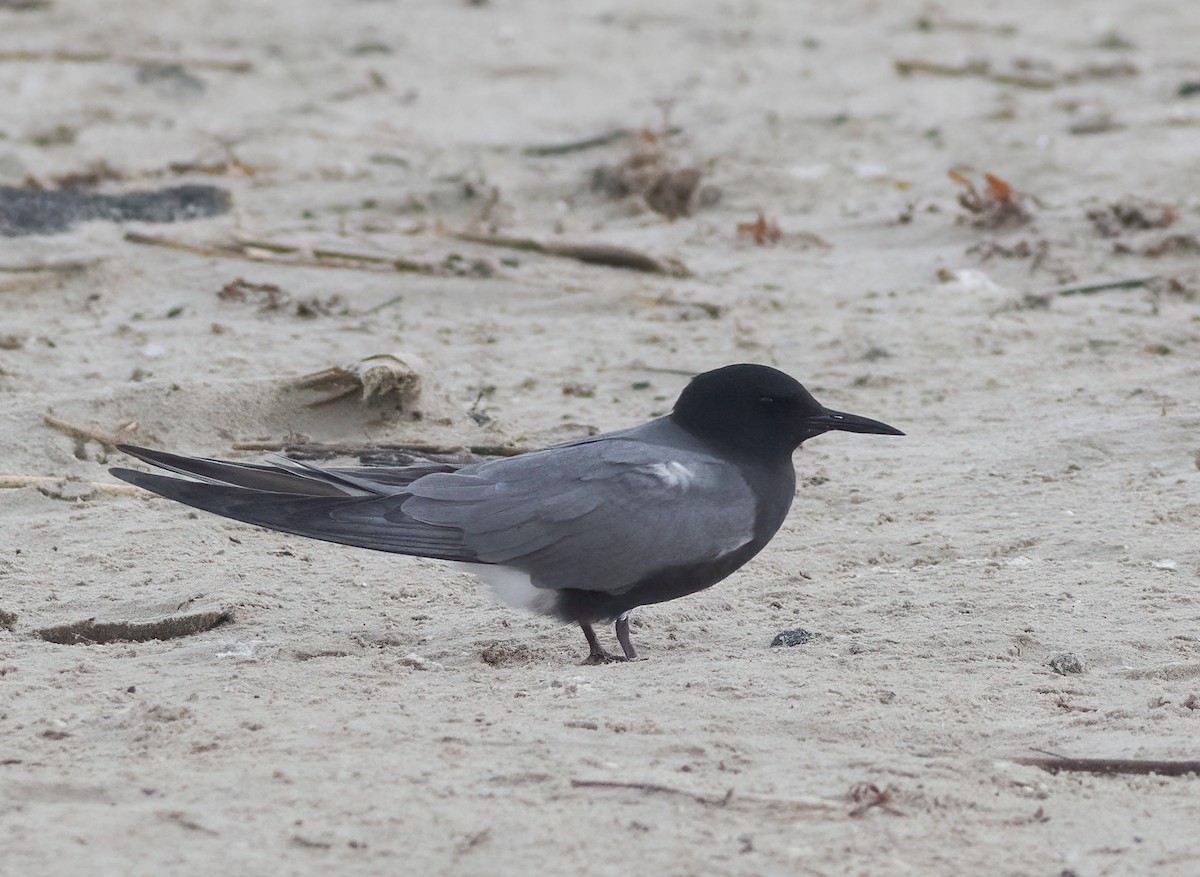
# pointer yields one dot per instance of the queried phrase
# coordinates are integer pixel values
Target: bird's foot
(595, 659)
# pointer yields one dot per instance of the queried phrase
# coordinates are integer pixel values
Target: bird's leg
(597, 654)
(623, 636)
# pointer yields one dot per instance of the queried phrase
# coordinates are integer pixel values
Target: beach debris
(57, 487)
(1171, 245)
(608, 255)
(1020, 75)
(649, 173)
(998, 205)
(1131, 213)
(1065, 664)
(93, 632)
(1093, 288)
(671, 194)
(271, 297)
(384, 378)
(8, 620)
(1059, 764)
(616, 135)
(26, 211)
(935, 18)
(689, 309)
(1037, 251)
(268, 296)
(579, 389)
(868, 796)
(83, 434)
(1021, 72)
(317, 257)
(762, 231)
(93, 174)
(797, 637)
(500, 654)
(419, 662)
(65, 266)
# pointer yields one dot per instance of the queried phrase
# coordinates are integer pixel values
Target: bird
(584, 531)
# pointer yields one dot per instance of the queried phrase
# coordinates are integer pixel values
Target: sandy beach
(493, 226)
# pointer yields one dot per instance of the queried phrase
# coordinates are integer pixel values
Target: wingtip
(133, 450)
(129, 476)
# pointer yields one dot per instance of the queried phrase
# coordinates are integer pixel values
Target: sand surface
(1018, 576)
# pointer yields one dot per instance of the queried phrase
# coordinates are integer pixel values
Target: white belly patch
(512, 586)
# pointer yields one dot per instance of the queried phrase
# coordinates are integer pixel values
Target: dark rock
(797, 637)
(47, 211)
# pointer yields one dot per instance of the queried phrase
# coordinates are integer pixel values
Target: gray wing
(292, 476)
(597, 515)
(359, 507)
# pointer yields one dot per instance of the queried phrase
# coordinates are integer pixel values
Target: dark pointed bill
(830, 420)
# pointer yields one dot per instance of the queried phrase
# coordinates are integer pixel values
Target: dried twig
(1114, 766)
(90, 631)
(996, 206)
(614, 136)
(907, 67)
(153, 240)
(13, 482)
(288, 254)
(762, 231)
(1091, 288)
(591, 254)
(285, 254)
(654, 788)
(80, 433)
(604, 139)
(867, 796)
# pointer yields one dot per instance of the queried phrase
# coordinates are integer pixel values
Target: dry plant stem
(134, 237)
(13, 482)
(614, 136)
(283, 254)
(91, 632)
(907, 67)
(592, 254)
(578, 145)
(1114, 766)
(67, 267)
(80, 433)
(1103, 287)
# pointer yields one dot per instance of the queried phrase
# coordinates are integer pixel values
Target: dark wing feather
(374, 522)
(290, 476)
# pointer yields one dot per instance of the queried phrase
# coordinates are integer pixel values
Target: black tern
(584, 531)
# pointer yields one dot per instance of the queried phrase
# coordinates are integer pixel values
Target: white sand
(346, 722)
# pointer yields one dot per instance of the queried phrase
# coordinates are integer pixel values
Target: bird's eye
(767, 400)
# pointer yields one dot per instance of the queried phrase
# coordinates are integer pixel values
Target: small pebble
(1065, 664)
(797, 637)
